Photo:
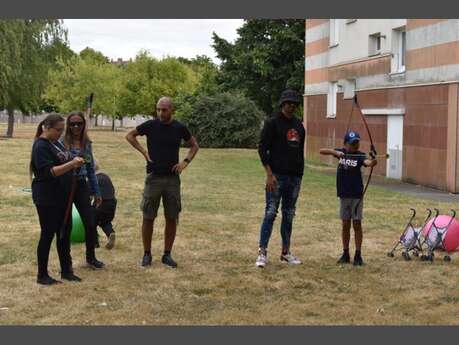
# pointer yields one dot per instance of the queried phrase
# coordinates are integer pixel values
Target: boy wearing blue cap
(349, 186)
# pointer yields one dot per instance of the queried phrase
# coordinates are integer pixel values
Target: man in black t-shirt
(349, 187)
(164, 136)
(281, 153)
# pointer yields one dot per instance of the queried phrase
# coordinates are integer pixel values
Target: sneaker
(262, 259)
(344, 259)
(146, 260)
(47, 280)
(111, 241)
(167, 260)
(70, 277)
(95, 264)
(358, 260)
(290, 259)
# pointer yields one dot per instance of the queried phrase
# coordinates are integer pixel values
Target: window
(332, 99)
(398, 50)
(374, 44)
(334, 32)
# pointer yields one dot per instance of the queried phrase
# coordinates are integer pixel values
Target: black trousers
(104, 215)
(83, 204)
(51, 219)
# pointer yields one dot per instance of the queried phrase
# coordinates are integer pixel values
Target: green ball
(78, 233)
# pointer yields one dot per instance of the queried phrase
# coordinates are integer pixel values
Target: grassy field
(217, 282)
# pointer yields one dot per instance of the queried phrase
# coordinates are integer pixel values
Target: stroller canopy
(451, 237)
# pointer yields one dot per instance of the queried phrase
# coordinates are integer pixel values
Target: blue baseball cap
(351, 137)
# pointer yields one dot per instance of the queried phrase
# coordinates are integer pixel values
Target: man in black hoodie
(281, 152)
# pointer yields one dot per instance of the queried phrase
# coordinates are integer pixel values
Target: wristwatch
(187, 160)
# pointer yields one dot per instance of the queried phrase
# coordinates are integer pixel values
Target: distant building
(406, 76)
(120, 62)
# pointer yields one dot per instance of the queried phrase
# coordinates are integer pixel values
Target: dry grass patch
(216, 246)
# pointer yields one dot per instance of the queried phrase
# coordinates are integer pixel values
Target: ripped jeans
(288, 188)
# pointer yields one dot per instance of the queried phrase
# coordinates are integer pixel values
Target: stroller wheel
(430, 257)
(447, 258)
(390, 254)
(406, 256)
(423, 257)
(416, 253)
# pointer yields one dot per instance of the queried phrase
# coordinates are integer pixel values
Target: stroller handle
(454, 213)
(414, 211)
(437, 212)
(428, 216)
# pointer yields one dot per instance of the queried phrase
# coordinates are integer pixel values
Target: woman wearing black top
(51, 166)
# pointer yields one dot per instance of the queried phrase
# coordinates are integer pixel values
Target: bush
(222, 120)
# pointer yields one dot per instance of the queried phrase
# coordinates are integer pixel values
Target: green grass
(216, 246)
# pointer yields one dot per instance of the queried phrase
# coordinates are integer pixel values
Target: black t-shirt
(282, 145)
(48, 190)
(163, 142)
(107, 191)
(349, 182)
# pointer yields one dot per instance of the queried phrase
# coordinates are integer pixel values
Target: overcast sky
(123, 38)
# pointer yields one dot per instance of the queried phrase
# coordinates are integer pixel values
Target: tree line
(224, 104)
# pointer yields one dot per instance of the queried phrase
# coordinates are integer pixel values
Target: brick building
(405, 73)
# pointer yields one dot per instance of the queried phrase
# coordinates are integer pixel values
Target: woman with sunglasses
(78, 143)
(51, 167)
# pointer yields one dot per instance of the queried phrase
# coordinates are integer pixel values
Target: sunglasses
(76, 124)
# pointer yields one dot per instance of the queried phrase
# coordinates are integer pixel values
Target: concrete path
(399, 186)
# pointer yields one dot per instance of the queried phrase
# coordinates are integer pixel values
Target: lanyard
(57, 147)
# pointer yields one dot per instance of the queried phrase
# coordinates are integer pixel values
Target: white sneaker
(290, 259)
(262, 259)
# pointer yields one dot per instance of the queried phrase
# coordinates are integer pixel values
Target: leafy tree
(72, 81)
(146, 79)
(222, 120)
(207, 72)
(266, 58)
(94, 56)
(29, 49)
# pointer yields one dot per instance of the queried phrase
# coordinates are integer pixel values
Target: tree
(94, 56)
(222, 120)
(146, 79)
(266, 58)
(72, 81)
(207, 73)
(29, 49)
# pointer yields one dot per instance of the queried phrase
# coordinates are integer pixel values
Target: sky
(123, 38)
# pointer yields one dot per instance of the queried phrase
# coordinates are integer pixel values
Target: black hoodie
(282, 145)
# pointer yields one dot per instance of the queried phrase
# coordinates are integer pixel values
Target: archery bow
(372, 152)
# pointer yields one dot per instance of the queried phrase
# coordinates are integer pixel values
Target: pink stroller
(436, 237)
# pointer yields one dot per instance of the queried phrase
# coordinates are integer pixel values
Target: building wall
(427, 93)
(425, 137)
(432, 53)
(353, 38)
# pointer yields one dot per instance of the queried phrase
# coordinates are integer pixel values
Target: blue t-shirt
(349, 183)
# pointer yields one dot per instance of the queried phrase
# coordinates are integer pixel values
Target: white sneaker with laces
(262, 259)
(290, 259)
